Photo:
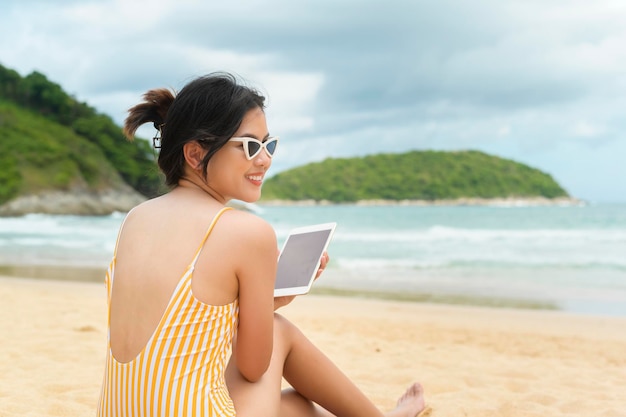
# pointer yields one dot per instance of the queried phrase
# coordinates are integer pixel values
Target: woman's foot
(410, 404)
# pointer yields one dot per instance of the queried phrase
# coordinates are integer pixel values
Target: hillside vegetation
(416, 175)
(37, 155)
(50, 141)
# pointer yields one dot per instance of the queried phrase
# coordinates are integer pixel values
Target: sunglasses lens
(253, 148)
(271, 146)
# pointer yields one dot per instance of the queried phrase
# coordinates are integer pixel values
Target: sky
(541, 82)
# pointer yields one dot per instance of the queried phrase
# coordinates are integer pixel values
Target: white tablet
(300, 258)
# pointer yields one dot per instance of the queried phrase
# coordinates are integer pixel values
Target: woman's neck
(194, 184)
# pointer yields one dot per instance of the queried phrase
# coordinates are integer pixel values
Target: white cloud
(587, 129)
(291, 100)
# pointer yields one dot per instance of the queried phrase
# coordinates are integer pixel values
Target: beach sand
(472, 361)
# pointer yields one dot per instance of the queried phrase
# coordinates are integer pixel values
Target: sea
(563, 257)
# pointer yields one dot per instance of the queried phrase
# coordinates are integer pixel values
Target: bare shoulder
(247, 229)
(143, 212)
(184, 220)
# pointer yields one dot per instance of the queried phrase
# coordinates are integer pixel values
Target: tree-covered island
(416, 175)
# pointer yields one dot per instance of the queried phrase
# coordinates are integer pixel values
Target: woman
(189, 277)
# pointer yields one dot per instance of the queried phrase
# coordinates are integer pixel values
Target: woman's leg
(264, 397)
(314, 378)
(292, 404)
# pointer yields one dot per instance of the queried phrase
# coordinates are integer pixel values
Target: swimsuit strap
(206, 235)
(119, 232)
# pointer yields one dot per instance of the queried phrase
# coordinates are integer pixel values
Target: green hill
(37, 155)
(416, 175)
(50, 141)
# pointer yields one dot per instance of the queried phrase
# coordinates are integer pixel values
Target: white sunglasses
(252, 147)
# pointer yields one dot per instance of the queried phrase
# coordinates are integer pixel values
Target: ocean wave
(444, 233)
(618, 265)
(54, 226)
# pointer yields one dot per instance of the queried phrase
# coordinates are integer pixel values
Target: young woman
(191, 278)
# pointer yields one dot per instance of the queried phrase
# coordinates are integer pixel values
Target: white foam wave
(486, 262)
(442, 233)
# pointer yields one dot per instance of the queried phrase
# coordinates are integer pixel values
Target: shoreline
(459, 202)
(74, 202)
(106, 203)
(73, 273)
(92, 274)
(474, 289)
(437, 298)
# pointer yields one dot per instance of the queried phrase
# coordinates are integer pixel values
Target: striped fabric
(180, 371)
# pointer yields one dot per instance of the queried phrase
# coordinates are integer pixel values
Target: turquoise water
(574, 257)
(571, 256)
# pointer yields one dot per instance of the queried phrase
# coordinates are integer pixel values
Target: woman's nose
(263, 159)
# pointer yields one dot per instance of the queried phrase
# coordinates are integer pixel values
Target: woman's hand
(323, 262)
(282, 301)
(286, 299)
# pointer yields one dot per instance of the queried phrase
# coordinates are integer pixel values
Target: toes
(416, 389)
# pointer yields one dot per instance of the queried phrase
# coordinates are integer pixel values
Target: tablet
(300, 258)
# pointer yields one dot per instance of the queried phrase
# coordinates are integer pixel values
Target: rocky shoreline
(493, 202)
(93, 203)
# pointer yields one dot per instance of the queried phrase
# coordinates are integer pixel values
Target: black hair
(208, 109)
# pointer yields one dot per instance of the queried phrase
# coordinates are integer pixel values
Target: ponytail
(153, 109)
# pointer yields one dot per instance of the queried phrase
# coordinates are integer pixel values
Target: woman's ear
(194, 154)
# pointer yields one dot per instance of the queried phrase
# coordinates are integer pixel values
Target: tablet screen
(300, 258)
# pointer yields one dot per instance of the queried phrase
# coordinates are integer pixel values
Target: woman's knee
(281, 325)
(284, 330)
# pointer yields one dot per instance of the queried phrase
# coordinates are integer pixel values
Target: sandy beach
(472, 361)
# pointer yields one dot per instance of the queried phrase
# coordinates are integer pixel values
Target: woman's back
(157, 244)
(173, 309)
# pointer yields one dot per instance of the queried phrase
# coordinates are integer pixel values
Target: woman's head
(208, 110)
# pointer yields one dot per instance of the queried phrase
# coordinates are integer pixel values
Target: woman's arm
(256, 272)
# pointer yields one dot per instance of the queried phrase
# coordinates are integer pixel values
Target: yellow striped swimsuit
(180, 371)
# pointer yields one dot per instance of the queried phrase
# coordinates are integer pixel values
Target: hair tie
(156, 140)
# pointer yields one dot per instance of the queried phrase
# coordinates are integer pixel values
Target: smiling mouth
(255, 177)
